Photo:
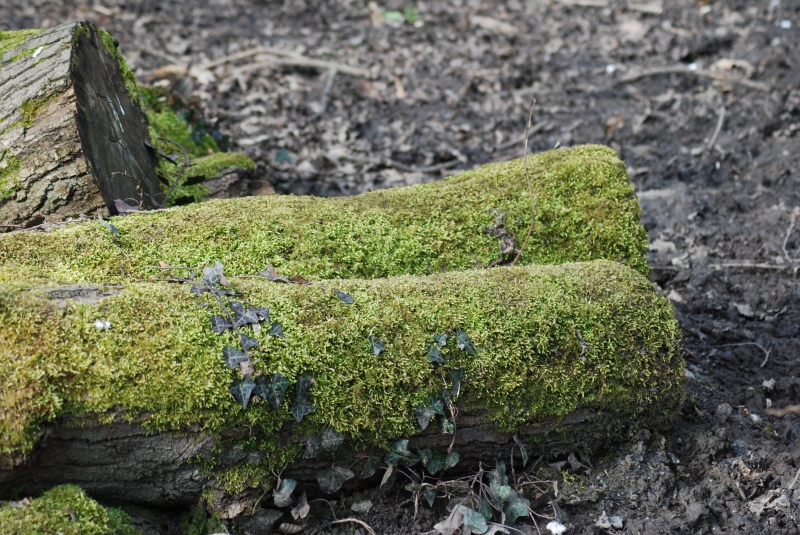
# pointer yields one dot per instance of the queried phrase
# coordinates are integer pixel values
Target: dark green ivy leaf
(272, 390)
(434, 461)
(262, 313)
(465, 343)
(376, 345)
(516, 507)
(456, 378)
(430, 495)
(302, 405)
(400, 454)
(331, 440)
(343, 296)
(242, 390)
(448, 428)
(332, 479)
(276, 330)
(424, 413)
(473, 520)
(370, 467)
(522, 449)
(219, 324)
(212, 274)
(440, 339)
(197, 290)
(233, 356)
(241, 315)
(486, 509)
(283, 494)
(313, 446)
(434, 355)
(247, 342)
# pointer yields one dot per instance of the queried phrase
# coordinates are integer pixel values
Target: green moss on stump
(11, 40)
(585, 209)
(65, 510)
(160, 362)
(9, 169)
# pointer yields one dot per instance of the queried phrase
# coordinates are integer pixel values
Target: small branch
(746, 264)
(793, 220)
(717, 129)
(682, 69)
(325, 93)
(528, 178)
(287, 58)
(780, 413)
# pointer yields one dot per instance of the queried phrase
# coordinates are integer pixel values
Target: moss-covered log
(567, 355)
(585, 210)
(72, 134)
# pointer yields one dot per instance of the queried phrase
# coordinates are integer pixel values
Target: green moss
(160, 362)
(30, 108)
(9, 169)
(12, 40)
(23, 54)
(127, 75)
(65, 510)
(585, 209)
(191, 188)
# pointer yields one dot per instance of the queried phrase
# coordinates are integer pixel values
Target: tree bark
(72, 140)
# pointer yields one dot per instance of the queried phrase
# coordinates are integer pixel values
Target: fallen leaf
(302, 508)
(343, 296)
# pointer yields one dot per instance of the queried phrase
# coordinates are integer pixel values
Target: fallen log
(116, 388)
(72, 134)
(585, 210)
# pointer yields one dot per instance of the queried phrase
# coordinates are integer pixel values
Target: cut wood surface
(567, 356)
(72, 135)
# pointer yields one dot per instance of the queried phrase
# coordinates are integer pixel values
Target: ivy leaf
(242, 390)
(272, 390)
(242, 316)
(272, 275)
(219, 324)
(376, 345)
(400, 454)
(233, 357)
(282, 496)
(516, 507)
(343, 296)
(434, 461)
(464, 343)
(276, 330)
(430, 495)
(473, 520)
(440, 339)
(486, 509)
(331, 440)
(262, 313)
(332, 479)
(302, 405)
(434, 355)
(370, 467)
(456, 378)
(212, 274)
(247, 342)
(448, 428)
(197, 290)
(497, 477)
(424, 413)
(522, 449)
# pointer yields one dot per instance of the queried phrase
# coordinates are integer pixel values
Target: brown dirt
(452, 93)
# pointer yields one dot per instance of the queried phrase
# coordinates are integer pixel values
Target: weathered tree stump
(72, 134)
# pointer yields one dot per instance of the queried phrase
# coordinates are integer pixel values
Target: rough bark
(71, 138)
(121, 462)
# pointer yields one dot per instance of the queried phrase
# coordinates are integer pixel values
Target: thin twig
(746, 264)
(337, 521)
(288, 58)
(788, 409)
(528, 178)
(793, 219)
(325, 93)
(717, 129)
(682, 69)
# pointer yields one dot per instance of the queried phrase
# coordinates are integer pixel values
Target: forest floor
(700, 98)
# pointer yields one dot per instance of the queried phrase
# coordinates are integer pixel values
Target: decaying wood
(71, 138)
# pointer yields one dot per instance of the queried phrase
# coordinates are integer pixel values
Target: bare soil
(712, 148)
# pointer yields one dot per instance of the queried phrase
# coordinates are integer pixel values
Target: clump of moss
(65, 510)
(585, 209)
(129, 78)
(11, 40)
(160, 362)
(30, 108)
(9, 168)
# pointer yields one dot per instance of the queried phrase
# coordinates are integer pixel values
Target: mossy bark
(585, 210)
(72, 140)
(159, 365)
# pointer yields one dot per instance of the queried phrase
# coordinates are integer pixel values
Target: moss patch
(160, 361)
(9, 169)
(11, 40)
(65, 510)
(129, 78)
(30, 108)
(586, 209)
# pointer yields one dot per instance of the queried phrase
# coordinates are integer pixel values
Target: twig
(746, 264)
(337, 521)
(681, 69)
(793, 219)
(717, 129)
(291, 59)
(538, 127)
(794, 481)
(528, 178)
(325, 93)
(788, 409)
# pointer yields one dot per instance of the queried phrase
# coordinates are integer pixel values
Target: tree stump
(72, 134)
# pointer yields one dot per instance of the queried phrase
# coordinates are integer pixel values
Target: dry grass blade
(780, 413)
(356, 521)
(681, 69)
